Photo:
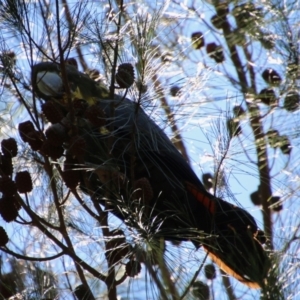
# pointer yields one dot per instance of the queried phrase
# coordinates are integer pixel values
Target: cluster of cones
(11, 185)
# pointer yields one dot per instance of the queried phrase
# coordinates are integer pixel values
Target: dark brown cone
(201, 290)
(273, 138)
(246, 15)
(13, 200)
(71, 174)
(71, 178)
(117, 247)
(23, 182)
(52, 151)
(211, 47)
(3, 237)
(210, 271)
(96, 116)
(271, 77)
(174, 90)
(52, 112)
(233, 127)
(57, 134)
(267, 96)
(83, 292)
(215, 52)
(276, 204)
(7, 186)
(291, 101)
(142, 190)
(80, 107)
(9, 147)
(255, 198)
(77, 146)
(8, 208)
(133, 268)
(197, 40)
(292, 69)
(24, 129)
(285, 145)
(218, 21)
(238, 111)
(34, 140)
(125, 75)
(6, 165)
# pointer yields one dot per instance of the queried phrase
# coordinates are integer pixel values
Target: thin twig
(194, 278)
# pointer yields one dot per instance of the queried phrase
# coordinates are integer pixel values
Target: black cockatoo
(129, 150)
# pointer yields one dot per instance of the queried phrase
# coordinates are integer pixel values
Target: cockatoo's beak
(49, 83)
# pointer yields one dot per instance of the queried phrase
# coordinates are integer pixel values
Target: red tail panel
(201, 197)
(228, 270)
